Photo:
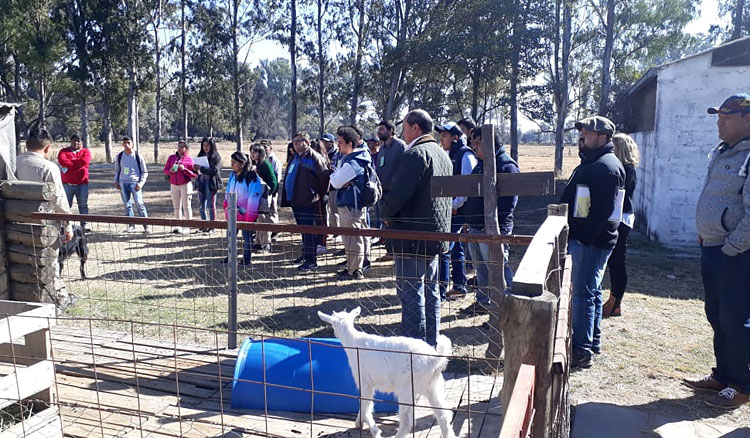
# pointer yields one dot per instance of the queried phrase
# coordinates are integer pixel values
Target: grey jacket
(388, 161)
(723, 211)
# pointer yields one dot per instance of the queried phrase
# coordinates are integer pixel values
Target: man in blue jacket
(593, 219)
(410, 207)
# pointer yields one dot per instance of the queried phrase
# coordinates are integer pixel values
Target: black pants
(618, 273)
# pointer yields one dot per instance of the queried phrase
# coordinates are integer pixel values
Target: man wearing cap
(591, 196)
(464, 161)
(724, 234)
(74, 165)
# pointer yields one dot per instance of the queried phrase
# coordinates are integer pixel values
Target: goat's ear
(325, 318)
(357, 310)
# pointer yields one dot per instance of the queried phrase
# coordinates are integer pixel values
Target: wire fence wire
(142, 351)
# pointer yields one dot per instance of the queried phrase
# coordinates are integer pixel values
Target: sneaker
(307, 266)
(147, 229)
(366, 265)
(342, 273)
(707, 383)
(299, 260)
(475, 309)
(176, 231)
(266, 247)
(321, 249)
(129, 229)
(581, 360)
(358, 274)
(472, 281)
(728, 398)
(87, 230)
(455, 293)
(344, 263)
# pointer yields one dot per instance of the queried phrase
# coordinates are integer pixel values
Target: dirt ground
(662, 336)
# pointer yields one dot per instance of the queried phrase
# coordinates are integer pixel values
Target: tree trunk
(42, 103)
(737, 20)
(236, 75)
(563, 98)
(183, 94)
(358, 64)
(157, 128)
(84, 115)
(514, 106)
(321, 72)
(132, 112)
(107, 131)
(607, 58)
(293, 56)
(20, 120)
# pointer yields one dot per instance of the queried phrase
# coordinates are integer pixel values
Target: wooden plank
(562, 330)
(531, 277)
(26, 382)
(44, 424)
(508, 184)
(31, 235)
(32, 274)
(20, 319)
(27, 190)
(21, 210)
(520, 410)
(40, 293)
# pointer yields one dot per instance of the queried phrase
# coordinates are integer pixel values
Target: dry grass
(662, 337)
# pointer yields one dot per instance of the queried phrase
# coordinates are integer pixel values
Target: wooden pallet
(112, 385)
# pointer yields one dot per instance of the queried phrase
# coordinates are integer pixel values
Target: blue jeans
(207, 201)
(416, 286)
(454, 259)
(81, 192)
(247, 236)
(726, 281)
(127, 191)
(589, 263)
(480, 254)
(306, 216)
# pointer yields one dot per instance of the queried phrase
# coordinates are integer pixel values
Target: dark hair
(261, 150)
(348, 134)
(420, 118)
(358, 130)
(125, 137)
(316, 146)
(290, 152)
(210, 143)
(477, 133)
(245, 174)
(305, 136)
(38, 139)
(468, 122)
(388, 125)
(74, 137)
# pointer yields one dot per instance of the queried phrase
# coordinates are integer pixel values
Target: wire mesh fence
(142, 351)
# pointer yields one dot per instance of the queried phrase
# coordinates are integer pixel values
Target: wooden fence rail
(518, 418)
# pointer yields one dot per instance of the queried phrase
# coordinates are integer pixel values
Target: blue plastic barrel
(287, 362)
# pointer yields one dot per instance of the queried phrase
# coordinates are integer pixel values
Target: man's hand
(196, 167)
(117, 185)
(68, 236)
(137, 187)
(180, 167)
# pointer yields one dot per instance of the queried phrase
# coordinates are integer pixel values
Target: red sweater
(75, 165)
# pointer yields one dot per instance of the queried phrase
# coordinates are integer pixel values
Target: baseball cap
(736, 103)
(598, 124)
(328, 137)
(451, 127)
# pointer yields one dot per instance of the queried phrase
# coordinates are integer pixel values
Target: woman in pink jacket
(179, 169)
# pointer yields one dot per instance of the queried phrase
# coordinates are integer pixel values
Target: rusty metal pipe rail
(513, 239)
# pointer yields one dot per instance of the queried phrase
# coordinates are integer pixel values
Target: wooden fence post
(496, 269)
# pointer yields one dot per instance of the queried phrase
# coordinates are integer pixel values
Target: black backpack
(372, 190)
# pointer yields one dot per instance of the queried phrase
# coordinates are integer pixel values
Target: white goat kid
(388, 365)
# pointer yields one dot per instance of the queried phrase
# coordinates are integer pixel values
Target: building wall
(675, 154)
(7, 141)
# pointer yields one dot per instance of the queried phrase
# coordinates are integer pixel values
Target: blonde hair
(626, 150)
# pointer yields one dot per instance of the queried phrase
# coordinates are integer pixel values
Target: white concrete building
(669, 122)
(7, 140)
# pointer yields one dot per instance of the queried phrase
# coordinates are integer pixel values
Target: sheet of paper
(583, 203)
(201, 161)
